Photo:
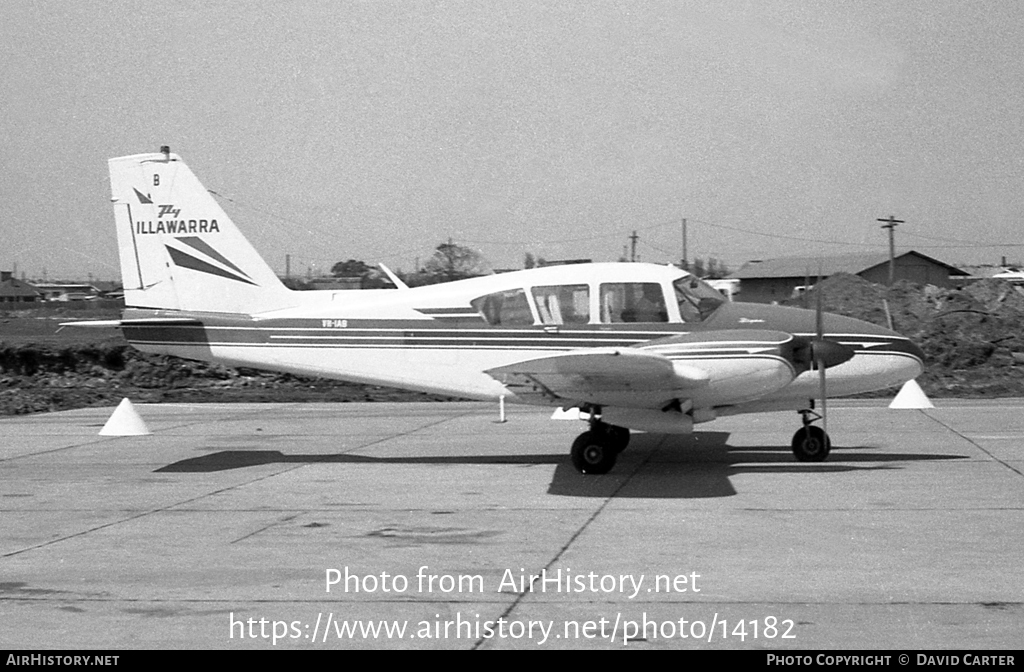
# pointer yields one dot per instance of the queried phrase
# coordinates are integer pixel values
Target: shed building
(768, 280)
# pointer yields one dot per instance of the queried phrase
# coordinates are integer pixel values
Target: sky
(377, 130)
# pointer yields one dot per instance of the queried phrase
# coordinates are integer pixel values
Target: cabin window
(633, 302)
(563, 304)
(697, 300)
(507, 309)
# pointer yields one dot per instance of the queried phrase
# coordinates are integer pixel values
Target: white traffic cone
(911, 396)
(124, 421)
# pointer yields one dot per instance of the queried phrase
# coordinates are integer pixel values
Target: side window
(633, 302)
(508, 309)
(563, 304)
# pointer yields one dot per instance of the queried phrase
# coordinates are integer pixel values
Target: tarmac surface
(224, 528)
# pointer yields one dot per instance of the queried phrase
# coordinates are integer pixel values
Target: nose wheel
(811, 443)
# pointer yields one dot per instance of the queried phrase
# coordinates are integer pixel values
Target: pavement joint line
(406, 433)
(279, 521)
(208, 494)
(57, 450)
(131, 518)
(576, 535)
(973, 443)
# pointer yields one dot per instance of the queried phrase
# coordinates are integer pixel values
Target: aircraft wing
(607, 376)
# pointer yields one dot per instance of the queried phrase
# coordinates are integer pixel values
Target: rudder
(178, 248)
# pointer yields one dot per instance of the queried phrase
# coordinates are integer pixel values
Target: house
(768, 280)
(13, 290)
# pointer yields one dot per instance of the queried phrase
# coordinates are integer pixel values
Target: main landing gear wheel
(593, 452)
(811, 444)
(618, 437)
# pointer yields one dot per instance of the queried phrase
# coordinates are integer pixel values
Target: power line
(655, 247)
(311, 230)
(782, 236)
(959, 243)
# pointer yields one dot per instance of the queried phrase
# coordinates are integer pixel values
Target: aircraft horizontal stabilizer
(91, 324)
(139, 322)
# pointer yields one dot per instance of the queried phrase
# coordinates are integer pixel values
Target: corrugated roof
(802, 267)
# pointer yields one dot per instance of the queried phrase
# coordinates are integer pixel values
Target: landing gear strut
(811, 443)
(595, 450)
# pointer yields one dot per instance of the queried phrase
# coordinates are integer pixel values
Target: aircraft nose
(905, 357)
(915, 350)
(912, 356)
(836, 324)
(900, 358)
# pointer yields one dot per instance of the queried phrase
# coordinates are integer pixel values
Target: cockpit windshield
(697, 299)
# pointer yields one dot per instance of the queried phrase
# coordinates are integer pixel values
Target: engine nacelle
(649, 420)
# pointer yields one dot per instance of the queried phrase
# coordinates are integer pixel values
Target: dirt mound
(971, 337)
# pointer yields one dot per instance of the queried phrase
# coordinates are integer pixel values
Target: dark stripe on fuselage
(297, 333)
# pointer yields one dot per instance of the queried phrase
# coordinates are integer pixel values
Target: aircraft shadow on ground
(697, 466)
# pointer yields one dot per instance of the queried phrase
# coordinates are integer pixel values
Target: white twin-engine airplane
(633, 346)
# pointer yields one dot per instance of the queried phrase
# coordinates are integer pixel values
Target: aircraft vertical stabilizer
(178, 248)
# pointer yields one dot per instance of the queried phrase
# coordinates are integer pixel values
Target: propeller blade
(818, 351)
(823, 393)
(819, 312)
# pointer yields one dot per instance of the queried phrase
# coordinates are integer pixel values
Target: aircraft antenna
(686, 265)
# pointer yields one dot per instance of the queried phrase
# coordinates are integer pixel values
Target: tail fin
(178, 248)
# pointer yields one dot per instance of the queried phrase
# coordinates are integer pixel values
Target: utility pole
(287, 265)
(632, 254)
(686, 263)
(891, 225)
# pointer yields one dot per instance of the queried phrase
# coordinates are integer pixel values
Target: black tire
(811, 444)
(618, 438)
(592, 453)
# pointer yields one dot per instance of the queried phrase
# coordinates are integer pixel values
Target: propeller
(819, 353)
(810, 352)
